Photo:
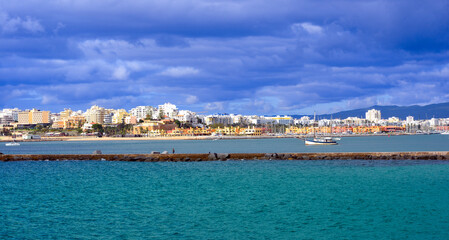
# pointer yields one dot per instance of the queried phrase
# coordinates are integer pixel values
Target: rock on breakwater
(231, 156)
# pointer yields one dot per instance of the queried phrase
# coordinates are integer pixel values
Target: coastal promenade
(229, 156)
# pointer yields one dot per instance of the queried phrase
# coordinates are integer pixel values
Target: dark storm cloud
(240, 56)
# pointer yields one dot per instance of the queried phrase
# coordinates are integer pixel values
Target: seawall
(231, 156)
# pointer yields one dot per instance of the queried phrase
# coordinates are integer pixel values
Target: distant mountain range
(440, 110)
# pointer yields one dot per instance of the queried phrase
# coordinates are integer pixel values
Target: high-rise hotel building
(34, 117)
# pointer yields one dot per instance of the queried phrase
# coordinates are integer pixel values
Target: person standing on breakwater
(173, 151)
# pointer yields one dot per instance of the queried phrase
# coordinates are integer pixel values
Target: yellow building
(253, 131)
(58, 124)
(119, 116)
(74, 122)
(300, 130)
(149, 126)
(65, 114)
(34, 117)
(95, 114)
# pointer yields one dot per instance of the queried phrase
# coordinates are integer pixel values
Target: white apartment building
(393, 120)
(13, 112)
(279, 119)
(434, 122)
(237, 119)
(373, 115)
(54, 117)
(354, 121)
(141, 112)
(107, 119)
(305, 120)
(187, 116)
(218, 119)
(5, 118)
(168, 109)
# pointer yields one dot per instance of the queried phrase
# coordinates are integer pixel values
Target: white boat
(337, 139)
(320, 141)
(445, 133)
(12, 144)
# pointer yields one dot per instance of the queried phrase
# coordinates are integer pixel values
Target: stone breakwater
(230, 156)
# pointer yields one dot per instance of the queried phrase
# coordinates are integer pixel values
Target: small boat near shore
(321, 141)
(12, 144)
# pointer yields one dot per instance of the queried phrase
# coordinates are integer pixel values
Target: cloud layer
(260, 57)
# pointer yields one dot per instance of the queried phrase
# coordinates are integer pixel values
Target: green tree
(178, 123)
(97, 128)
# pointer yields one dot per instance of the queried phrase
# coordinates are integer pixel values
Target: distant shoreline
(92, 138)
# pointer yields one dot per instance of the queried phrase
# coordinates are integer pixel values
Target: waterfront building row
(69, 119)
(343, 130)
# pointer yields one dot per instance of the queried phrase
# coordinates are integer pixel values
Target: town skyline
(401, 111)
(168, 121)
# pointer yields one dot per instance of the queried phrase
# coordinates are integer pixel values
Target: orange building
(153, 126)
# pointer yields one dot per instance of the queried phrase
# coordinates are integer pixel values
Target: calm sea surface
(279, 145)
(225, 200)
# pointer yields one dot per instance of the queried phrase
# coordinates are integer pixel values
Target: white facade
(410, 119)
(354, 121)
(279, 119)
(373, 115)
(54, 117)
(168, 109)
(237, 119)
(305, 120)
(393, 120)
(218, 119)
(8, 116)
(141, 112)
(107, 119)
(13, 112)
(187, 116)
(5, 119)
(434, 122)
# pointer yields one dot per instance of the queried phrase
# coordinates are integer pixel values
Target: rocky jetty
(230, 156)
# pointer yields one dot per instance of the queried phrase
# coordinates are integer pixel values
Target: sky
(216, 56)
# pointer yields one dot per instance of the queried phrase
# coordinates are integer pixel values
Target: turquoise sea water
(279, 145)
(225, 200)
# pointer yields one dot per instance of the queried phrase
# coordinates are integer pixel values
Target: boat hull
(12, 144)
(311, 142)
